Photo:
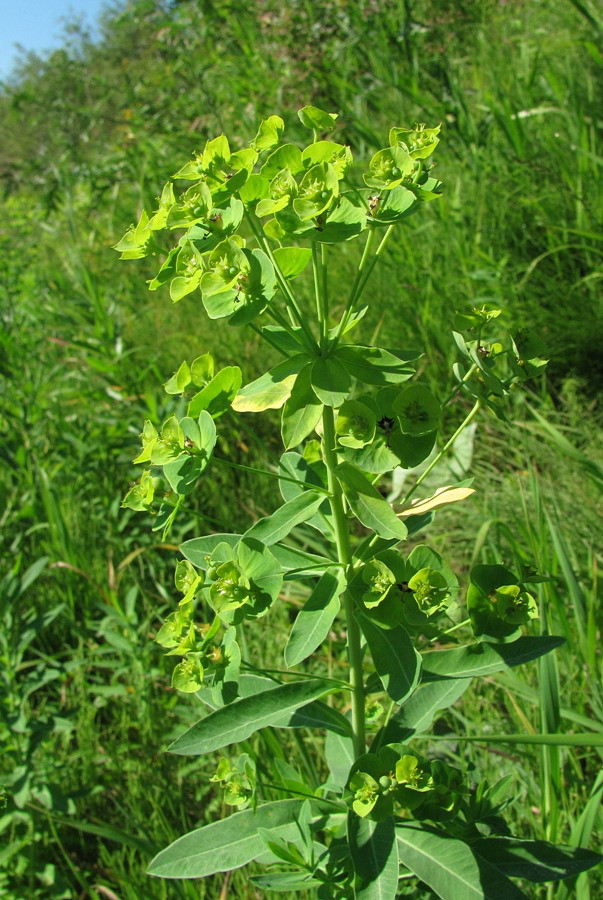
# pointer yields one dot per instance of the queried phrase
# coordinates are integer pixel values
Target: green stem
(344, 555)
(364, 271)
(444, 450)
(472, 368)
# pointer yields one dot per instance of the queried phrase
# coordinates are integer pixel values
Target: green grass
(85, 702)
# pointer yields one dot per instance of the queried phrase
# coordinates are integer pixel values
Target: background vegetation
(88, 135)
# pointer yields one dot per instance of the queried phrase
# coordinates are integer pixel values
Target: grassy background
(87, 136)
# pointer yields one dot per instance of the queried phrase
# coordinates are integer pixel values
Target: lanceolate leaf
(417, 714)
(277, 526)
(368, 505)
(271, 390)
(484, 658)
(315, 618)
(243, 718)
(450, 868)
(397, 662)
(374, 855)
(227, 844)
(535, 860)
(301, 412)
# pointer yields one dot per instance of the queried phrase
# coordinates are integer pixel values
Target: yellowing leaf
(442, 497)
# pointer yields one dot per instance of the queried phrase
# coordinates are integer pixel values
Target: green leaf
(198, 550)
(368, 505)
(417, 714)
(339, 754)
(485, 658)
(397, 662)
(374, 855)
(330, 381)
(271, 390)
(269, 133)
(275, 527)
(292, 260)
(239, 720)
(301, 412)
(317, 119)
(537, 861)
(449, 867)
(286, 157)
(372, 365)
(314, 620)
(226, 844)
(217, 396)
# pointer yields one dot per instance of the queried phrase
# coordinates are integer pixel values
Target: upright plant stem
(344, 556)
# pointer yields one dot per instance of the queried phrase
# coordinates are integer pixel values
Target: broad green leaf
(450, 868)
(239, 720)
(417, 714)
(198, 550)
(368, 505)
(485, 658)
(397, 662)
(183, 473)
(271, 390)
(226, 844)
(259, 566)
(346, 218)
(183, 285)
(301, 412)
(317, 119)
(537, 861)
(286, 157)
(275, 527)
(374, 855)
(292, 260)
(314, 620)
(372, 365)
(269, 133)
(217, 396)
(330, 381)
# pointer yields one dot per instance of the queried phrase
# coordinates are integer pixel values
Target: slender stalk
(364, 271)
(306, 484)
(344, 556)
(444, 450)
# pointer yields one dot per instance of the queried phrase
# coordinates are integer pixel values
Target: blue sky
(36, 24)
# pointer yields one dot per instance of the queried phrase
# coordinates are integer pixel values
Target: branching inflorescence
(249, 223)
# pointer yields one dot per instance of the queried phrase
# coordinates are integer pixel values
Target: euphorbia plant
(249, 222)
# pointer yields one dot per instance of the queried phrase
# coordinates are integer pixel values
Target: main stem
(344, 556)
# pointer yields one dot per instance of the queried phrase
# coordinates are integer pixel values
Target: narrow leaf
(449, 867)
(315, 619)
(301, 412)
(226, 844)
(397, 662)
(367, 504)
(535, 860)
(374, 855)
(278, 525)
(243, 718)
(484, 658)
(418, 712)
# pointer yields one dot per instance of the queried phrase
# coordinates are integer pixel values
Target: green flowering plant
(234, 229)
